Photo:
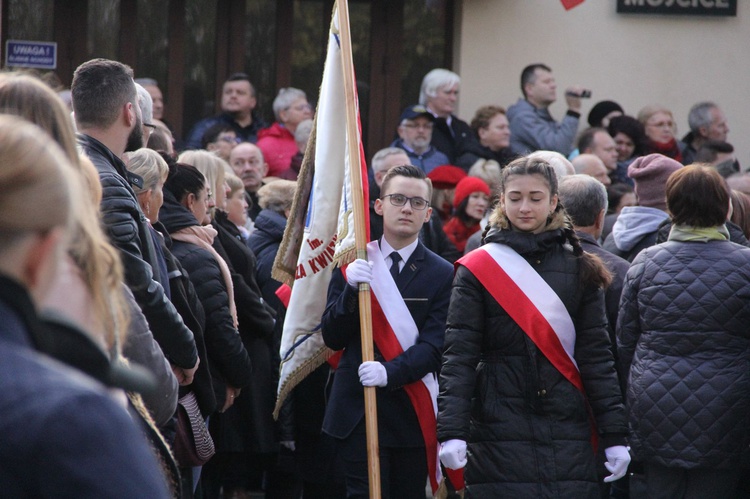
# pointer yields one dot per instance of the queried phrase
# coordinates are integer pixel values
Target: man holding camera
(532, 127)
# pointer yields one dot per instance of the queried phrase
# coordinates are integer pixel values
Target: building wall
(633, 59)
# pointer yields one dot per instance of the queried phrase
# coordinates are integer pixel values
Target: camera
(585, 94)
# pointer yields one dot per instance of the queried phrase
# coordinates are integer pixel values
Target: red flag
(569, 4)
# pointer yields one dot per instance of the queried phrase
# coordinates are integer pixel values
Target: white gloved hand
(358, 271)
(372, 373)
(618, 459)
(453, 454)
(289, 444)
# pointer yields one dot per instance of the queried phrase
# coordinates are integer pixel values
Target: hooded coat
(527, 428)
(636, 228)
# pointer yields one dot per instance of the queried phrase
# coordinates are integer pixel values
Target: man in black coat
(423, 280)
(439, 94)
(108, 117)
(585, 200)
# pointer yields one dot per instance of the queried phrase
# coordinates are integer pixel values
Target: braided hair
(592, 269)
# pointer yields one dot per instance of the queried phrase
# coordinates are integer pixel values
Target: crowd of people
(562, 311)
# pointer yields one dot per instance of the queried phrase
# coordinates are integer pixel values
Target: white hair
(284, 100)
(146, 103)
(557, 161)
(435, 80)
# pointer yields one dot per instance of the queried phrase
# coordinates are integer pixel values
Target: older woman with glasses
(661, 131)
(277, 141)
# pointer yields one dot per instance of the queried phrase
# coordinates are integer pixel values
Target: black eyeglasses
(400, 200)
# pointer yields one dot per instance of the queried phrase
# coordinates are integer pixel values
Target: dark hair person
(512, 406)
(682, 335)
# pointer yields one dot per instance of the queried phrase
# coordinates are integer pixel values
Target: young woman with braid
(528, 386)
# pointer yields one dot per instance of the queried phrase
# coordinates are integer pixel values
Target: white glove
(358, 271)
(372, 373)
(453, 454)
(618, 459)
(289, 444)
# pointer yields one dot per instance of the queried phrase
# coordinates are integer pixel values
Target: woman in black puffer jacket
(528, 428)
(683, 336)
(187, 199)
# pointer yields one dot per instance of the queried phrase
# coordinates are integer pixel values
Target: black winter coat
(450, 139)
(683, 336)
(264, 243)
(228, 359)
(472, 151)
(186, 302)
(528, 429)
(128, 231)
(248, 424)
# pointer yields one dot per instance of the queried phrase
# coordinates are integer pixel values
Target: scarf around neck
(203, 237)
(669, 149)
(684, 233)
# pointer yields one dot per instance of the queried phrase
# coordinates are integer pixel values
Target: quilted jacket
(683, 336)
(527, 427)
(227, 357)
(127, 229)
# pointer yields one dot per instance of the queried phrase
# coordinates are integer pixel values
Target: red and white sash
(394, 331)
(530, 302)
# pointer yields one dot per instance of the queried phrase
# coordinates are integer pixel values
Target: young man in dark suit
(423, 281)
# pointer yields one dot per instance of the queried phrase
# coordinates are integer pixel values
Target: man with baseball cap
(415, 135)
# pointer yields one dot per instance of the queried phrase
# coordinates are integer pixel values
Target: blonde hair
(209, 164)
(150, 166)
(277, 196)
(488, 170)
(32, 168)
(27, 97)
(234, 183)
(647, 112)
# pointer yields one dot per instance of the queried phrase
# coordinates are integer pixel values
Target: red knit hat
(446, 176)
(467, 186)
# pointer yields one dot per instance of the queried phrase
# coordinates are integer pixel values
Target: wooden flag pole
(365, 312)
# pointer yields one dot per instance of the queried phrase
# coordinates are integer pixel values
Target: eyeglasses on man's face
(400, 200)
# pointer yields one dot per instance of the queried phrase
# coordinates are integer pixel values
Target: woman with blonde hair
(275, 199)
(237, 204)
(96, 259)
(49, 411)
(255, 324)
(88, 289)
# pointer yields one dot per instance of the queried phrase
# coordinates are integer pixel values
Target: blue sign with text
(28, 54)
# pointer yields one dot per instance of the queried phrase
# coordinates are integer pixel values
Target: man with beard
(108, 118)
(238, 103)
(248, 163)
(415, 135)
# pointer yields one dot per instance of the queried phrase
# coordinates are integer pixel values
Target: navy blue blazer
(425, 285)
